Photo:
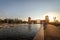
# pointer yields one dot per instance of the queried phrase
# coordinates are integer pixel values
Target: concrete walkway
(40, 34)
(50, 33)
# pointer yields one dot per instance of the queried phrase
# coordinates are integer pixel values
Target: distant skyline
(36, 9)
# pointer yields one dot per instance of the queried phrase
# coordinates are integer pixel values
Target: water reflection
(29, 27)
(24, 31)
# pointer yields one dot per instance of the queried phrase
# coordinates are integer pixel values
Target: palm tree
(54, 19)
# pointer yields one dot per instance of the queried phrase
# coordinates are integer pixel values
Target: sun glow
(51, 16)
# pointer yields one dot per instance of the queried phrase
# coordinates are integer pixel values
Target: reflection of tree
(29, 27)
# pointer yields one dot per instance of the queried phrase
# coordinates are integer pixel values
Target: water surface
(21, 31)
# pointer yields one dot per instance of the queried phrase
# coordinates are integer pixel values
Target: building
(42, 21)
(33, 21)
(29, 20)
(38, 21)
(47, 19)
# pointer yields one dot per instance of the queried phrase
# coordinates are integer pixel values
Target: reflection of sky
(22, 31)
(26, 8)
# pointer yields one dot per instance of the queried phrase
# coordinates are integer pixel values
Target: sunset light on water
(29, 19)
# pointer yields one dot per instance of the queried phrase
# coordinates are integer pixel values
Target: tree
(54, 19)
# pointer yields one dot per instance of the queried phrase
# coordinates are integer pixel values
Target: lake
(19, 32)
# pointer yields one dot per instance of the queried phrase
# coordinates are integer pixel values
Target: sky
(36, 9)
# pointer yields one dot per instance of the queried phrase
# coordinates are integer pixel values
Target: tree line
(12, 21)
